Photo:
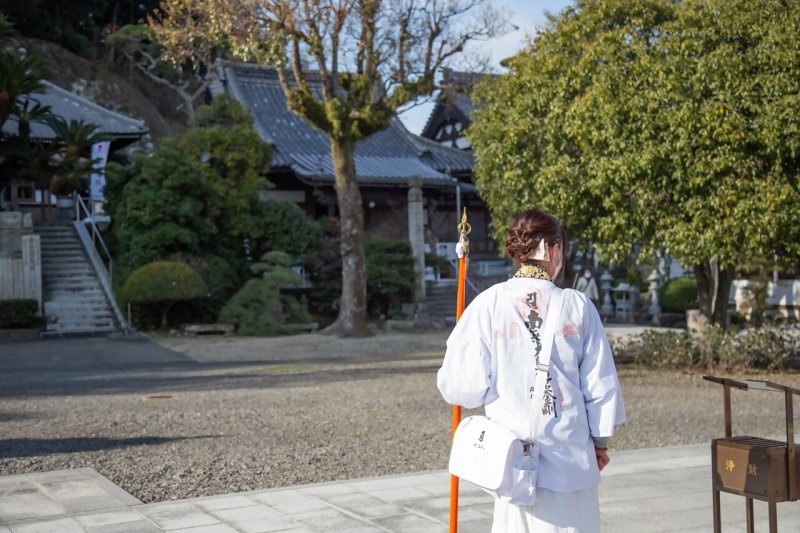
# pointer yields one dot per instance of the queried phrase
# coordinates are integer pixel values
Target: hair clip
(541, 253)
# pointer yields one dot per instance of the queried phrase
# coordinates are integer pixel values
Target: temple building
(386, 163)
(119, 129)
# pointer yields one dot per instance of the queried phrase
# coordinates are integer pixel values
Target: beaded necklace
(532, 271)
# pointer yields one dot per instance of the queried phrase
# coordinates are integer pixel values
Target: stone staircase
(440, 299)
(74, 301)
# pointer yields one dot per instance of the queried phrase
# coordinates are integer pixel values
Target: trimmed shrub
(260, 308)
(679, 294)
(18, 314)
(164, 283)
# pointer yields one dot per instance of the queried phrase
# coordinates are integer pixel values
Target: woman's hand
(602, 457)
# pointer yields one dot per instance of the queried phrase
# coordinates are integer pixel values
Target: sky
(527, 16)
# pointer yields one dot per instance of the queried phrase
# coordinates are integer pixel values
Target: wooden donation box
(756, 468)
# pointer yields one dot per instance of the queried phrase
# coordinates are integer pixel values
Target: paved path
(655, 490)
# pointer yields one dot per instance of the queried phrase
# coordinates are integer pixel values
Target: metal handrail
(470, 284)
(80, 205)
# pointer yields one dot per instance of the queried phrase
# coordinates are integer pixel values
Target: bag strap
(543, 368)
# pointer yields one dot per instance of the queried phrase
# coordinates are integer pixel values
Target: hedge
(18, 313)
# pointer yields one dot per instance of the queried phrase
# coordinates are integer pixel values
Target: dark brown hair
(528, 229)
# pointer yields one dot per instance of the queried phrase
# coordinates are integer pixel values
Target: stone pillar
(32, 268)
(655, 306)
(416, 236)
(607, 308)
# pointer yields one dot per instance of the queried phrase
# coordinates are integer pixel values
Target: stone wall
(782, 297)
(20, 258)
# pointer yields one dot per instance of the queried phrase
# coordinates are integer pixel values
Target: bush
(713, 348)
(164, 283)
(18, 313)
(260, 308)
(678, 295)
(222, 281)
(659, 349)
(390, 275)
(284, 226)
(324, 267)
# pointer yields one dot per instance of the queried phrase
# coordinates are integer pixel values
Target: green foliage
(74, 140)
(195, 192)
(390, 275)
(769, 349)
(19, 313)
(324, 267)
(282, 225)
(164, 283)
(75, 24)
(221, 279)
(678, 295)
(223, 111)
(647, 124)
(260, 308)
(156, 207)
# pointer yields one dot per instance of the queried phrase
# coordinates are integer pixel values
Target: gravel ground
(326, 409)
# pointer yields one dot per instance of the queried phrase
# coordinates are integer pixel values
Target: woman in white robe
(491, 359)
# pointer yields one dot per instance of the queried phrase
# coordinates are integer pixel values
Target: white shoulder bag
(491, 456)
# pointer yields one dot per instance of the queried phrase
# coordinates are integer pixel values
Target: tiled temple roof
(389, 157)
(70, 106)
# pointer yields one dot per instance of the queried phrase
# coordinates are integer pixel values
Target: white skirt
(553, 512)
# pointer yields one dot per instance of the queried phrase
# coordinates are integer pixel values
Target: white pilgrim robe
(490, 361)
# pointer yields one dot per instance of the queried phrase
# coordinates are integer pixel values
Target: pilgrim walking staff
(462, 251)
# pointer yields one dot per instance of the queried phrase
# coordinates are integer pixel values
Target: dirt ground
(237, 414)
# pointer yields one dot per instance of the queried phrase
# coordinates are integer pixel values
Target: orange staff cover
(462, 250)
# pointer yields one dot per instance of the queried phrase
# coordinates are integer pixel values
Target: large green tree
(195, 192)
(652, 124)
(344, 65)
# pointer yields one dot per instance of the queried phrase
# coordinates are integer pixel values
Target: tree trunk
(188, 109)
(352, 319)
(713, 290)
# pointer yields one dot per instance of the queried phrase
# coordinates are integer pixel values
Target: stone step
(61, 242)
(88, 304)
(74, 291)
(60, 295)
(77, 332)
(58, 266)
(70, 323)
(56, 233)
(54, 250)
(84, 325)
(93, 310)
(71, 250)
(64, 257)
(69, 280)
(69, 277)
(69, 270)
(72, 282)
